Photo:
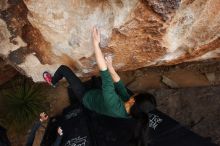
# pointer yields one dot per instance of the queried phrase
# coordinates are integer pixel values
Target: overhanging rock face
(39, 35)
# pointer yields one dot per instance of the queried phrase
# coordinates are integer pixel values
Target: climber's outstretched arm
(98, 53)
(113, 73)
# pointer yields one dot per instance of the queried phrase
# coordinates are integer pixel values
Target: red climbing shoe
(48, 77)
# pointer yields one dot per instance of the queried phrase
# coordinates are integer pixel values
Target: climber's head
(143, 102)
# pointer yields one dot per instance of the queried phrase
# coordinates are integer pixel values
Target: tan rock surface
(38, 35)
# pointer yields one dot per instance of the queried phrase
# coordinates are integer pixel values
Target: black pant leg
(72, 97)
(74, 82)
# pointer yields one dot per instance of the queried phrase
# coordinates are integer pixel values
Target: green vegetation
(22, 103)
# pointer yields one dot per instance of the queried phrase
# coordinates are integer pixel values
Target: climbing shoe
(48, 78)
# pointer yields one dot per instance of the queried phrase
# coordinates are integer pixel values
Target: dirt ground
(194, 103)
(196, 108)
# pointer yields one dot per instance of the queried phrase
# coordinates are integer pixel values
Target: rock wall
(6, 72)
(39, 35)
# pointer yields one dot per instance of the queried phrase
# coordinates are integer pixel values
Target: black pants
(76, 88)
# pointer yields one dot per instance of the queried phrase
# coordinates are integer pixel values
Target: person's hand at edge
(60, 131)
(43, 117)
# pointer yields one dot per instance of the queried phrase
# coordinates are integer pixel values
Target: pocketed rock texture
(39, 35)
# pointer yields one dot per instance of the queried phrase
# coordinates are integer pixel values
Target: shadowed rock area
(38, 35)
(6, 72)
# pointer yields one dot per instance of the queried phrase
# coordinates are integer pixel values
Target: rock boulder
(39, 35)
